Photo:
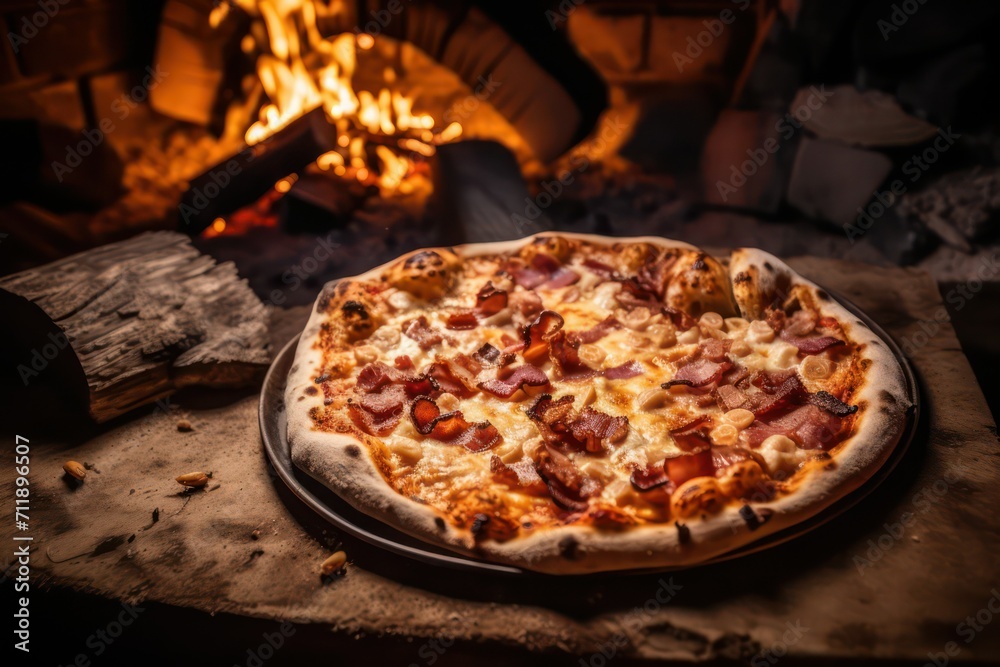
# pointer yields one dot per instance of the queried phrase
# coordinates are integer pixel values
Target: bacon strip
(594, 429)
(490, 300)
(451, 427)
(568, 487)
(451, 379)
(462, 320)
(811, 344)
(698, 373)
(564, 352)
(523, 376)
(627, 370)
(689, 465)
(650, 477)
(633, 295)
(692, 437)
(809, 426)
(521, 475)
(680, 319)
(376, 375)
(655, 277)
(423, 333)
(537, 334)
(596, 332)
(378, 414)
(832, 404)
(602, 269)
(491, 357)
(562, 277)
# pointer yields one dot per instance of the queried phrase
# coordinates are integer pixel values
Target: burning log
(130, 323)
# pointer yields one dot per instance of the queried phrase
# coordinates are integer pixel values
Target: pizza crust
(342, 462)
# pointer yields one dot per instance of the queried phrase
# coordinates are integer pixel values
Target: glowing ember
(299, 70)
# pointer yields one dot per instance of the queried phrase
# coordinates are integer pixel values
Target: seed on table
(334, 562)
(75, 469)
(193, 479)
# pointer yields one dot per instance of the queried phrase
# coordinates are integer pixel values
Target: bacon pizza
(569, 403)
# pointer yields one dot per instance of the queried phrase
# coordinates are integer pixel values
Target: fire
(299, 71)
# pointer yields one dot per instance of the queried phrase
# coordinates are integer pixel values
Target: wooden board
(892, 578)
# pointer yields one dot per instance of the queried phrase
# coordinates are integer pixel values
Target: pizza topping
(832, 404)
(725, 456)
(376, 375)
(680, 319)
(537, 334)
(568, 487)
(699, 373)
(627, 370)
(522, 377)
(452, 378)
(570, 356)
(463, 320)
(692, 436)
(521, 474)
(596, 332)
(715, 349)
(490, 300)
(403, 362)
(649, 477)
(595, 429)
(633, 295)
(655, 277)
(808, 426)
(541, 269)
(491, 357)
(601, 269)
(811, 344)
(451, 427)
(526, 303)
(562, 277)
(423, 333)
(378, 414)
(800, 323)
(689, 465)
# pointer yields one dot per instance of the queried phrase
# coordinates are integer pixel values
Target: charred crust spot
(683, 533)
(768, 266)
(479, 523)
(353, 451)
(311, 390)
(750, 518)
(569, 548)
(324, 298)
(742, 277)
(423, 259)
(294, 368)
(320, 379)
(823, 295)
(832, 465)
(355, 309)
(699, 263)
(861, 324)
(439, 522)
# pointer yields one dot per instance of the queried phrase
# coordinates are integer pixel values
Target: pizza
(572, 403)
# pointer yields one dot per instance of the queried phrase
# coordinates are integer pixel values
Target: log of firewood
(130, 323)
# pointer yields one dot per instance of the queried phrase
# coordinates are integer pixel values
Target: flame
(300, 71)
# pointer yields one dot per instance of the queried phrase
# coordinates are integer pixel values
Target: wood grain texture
(148, 316)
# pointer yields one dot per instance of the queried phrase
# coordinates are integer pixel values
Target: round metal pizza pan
(337, 511)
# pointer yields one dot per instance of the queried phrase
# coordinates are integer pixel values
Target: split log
(142, 318)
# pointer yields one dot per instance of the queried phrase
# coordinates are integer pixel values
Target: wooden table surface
(896, 577)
